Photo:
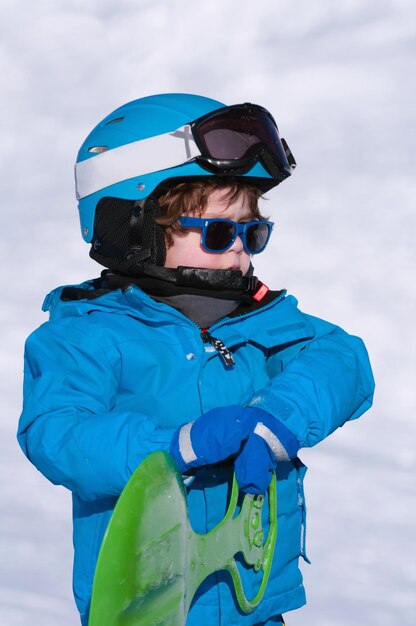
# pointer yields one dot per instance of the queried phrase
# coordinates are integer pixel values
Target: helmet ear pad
(126, 235)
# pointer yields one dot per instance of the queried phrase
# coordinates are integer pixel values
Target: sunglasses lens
(219, 235)
(256, 237)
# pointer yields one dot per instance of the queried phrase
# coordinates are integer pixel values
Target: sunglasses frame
(241, 229)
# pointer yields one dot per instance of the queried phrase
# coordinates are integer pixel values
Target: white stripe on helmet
(137, 158)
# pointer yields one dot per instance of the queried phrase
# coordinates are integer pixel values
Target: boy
(178, 346)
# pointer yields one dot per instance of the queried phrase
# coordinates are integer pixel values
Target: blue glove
(257, 439)
(269, 443)
(211, 438)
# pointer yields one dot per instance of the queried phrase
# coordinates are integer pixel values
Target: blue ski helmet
(142, 146)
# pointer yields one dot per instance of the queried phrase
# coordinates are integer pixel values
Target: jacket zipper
(220, 347)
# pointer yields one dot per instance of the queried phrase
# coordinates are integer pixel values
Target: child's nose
(237, 245)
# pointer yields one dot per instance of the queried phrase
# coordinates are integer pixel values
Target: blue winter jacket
(109, 378)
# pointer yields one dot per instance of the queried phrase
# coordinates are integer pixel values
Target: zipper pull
(220, 347)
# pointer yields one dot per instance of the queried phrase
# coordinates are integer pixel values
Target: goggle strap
(289, 154)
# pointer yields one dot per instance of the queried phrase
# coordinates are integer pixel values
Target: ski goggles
(218, 235)
(230, 141)
(233, 138)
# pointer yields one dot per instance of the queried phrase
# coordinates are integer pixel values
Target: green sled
(152, 562)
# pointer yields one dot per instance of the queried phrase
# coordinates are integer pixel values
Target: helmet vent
(98, 149)
(114, 121)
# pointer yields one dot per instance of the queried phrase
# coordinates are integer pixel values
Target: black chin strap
(136, 233)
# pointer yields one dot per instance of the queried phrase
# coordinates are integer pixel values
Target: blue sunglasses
(218, 235)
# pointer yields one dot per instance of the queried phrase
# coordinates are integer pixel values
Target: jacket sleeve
(70, 428)
(322, 384)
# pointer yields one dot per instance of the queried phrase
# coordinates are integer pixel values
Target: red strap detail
(260, 293)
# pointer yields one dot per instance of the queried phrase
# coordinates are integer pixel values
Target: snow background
(339, 78)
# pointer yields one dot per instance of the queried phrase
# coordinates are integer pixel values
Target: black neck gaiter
(202, 306)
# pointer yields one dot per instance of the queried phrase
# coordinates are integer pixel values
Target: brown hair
(191, 198)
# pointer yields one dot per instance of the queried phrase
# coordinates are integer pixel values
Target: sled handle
(242, 533)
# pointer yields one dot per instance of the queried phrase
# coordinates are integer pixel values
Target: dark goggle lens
(223, 142)
(256, 237)
(233, 133)
(219, 235)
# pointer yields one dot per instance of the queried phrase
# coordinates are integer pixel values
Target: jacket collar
(281, 321)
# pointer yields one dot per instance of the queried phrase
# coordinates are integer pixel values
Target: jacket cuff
(280, 439)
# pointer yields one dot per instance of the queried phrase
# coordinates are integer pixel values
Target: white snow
(339, 78)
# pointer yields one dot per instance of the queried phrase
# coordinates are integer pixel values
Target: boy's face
(187, 250)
